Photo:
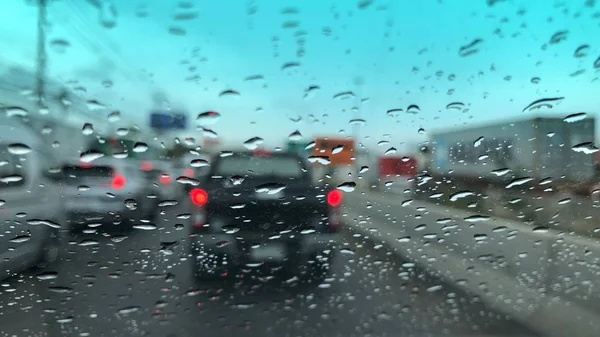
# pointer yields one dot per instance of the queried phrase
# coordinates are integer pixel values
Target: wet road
(140, 284)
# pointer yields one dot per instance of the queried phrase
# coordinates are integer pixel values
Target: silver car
(107, 190)
(32, 223)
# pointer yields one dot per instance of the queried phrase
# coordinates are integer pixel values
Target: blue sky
(380, 46)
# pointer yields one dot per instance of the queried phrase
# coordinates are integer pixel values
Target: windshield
(293, 168)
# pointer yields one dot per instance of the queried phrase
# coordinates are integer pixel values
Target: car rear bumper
(298, 249)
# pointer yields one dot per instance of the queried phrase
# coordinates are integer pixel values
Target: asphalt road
(140, 284)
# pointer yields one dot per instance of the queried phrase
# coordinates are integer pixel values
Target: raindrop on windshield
(253, 143)
(140, 147)
(208, 118)
(114, 116)
(295, 136)
(87, 129)
(348, 186)
(19, 149)
(575, 117)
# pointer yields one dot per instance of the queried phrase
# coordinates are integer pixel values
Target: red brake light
(147, 166)
(334, 198)
(165, 179)
(118, 182)
(199, 196)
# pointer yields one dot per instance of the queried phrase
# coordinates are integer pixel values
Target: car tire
(50, 250)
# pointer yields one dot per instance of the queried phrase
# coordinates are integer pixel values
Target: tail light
(199, 196)
(335, 198)
(334, 201)
(146, 166)
(188, 173)
(165, 179)
(118, 182)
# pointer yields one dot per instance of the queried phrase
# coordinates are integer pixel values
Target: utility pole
(41, 52)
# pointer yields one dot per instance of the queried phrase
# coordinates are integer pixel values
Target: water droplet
(535, 80)
(478, 142)
(363, 169)
(477, 218)
(94, 105)
(311, 92)
(564, 201)
(582, 51)
(413, 109)
(21, 238)
(323, 160)
(122, 132)
(357, 121)
(270, 188)
(347, 186)
(471, 48)
(587, 148)
(344, 95)
(59, 46)
(406, 202)
(229, 93)
(128, 310)
(131, 204)
(295, 136)
(253, 143)
(434, 288)
(480, 237)
(48, 223)
(146, 227)
(87, 129)
(455, 106)
(390, 151)
(558, 37)
(347, 251)
(90, 156)
(519, 181)
(208, 118)
(421, 131)
(575, 117)
(16, 111)
(540, 229)
(167, 203)
(89, 242)
(19, 149)
(114, 117)
(337, 149)
(500, 229)
(140, 147)
(460, 195)
(48, 275)
(11, 179)
(544, 103)
(403, 239)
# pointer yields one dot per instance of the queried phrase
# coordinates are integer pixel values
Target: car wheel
(50, 250)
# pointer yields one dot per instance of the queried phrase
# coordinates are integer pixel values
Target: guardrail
(546, 278)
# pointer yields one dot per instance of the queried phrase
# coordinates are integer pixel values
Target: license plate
(270, 196)
(268, 252)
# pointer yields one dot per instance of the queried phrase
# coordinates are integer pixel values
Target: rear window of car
(280, 166)
(74, 171)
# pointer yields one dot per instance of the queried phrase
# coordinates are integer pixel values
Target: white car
(33, 228)
(107, 190)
